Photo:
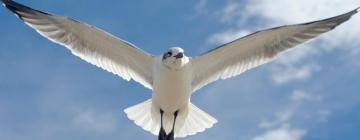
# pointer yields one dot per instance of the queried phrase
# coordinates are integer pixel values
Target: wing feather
(236, 57)
(89, 43)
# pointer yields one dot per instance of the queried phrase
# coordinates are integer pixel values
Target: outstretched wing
(89, 43)
(258, 48)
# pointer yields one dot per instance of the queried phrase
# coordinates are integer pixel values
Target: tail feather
(190, 120)
(196, 121)
(141, 115)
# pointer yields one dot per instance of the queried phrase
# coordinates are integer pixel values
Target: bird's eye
(169, 53)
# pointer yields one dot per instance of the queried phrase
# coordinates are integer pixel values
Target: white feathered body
(172, 90)
(171, 87)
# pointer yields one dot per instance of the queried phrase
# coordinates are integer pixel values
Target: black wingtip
(17, 7)
(5, 1)
(356, 10)
(11, 5)
(353, 12)
(14, 7)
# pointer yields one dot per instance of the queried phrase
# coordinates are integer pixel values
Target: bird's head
(174, 58)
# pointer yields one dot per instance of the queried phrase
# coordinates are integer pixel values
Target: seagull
(173, 77)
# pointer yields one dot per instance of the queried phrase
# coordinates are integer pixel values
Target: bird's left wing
(89, 43)
(258, 48)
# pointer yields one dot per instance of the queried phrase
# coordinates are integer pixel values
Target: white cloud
(299, 95)
(200, 7)
(283, 117)
(282, 134)
(283, 74)
(300, 11)
(280, 128)
(93, 121)
(229, 13)
(323, 115)
(227, 36)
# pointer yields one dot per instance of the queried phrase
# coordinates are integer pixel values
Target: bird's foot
(171, 136)
(162, 133)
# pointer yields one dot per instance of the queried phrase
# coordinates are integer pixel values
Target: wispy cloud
(200, 8)
(284, 117)
(225, 37)
(229, 13)
(281, 128)
(282, 134)
(93, 121)
(283, 74)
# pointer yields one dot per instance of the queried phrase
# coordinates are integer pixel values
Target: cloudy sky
(308, 93)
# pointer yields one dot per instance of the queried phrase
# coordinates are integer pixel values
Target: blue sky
(308, 93)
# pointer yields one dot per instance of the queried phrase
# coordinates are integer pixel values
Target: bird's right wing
(89, 43)
(258, 48)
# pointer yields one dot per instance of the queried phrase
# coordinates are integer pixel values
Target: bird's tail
(190, 120)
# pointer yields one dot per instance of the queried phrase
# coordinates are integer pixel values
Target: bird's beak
(179, 55)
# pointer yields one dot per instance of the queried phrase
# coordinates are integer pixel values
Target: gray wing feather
(236, 57)
(89, 43)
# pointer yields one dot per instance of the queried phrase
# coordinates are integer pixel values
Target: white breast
(171, 88)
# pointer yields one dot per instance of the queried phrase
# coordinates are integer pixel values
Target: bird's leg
(171, 134)
(162, 133)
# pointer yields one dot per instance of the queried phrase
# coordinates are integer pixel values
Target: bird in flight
(173, 77)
